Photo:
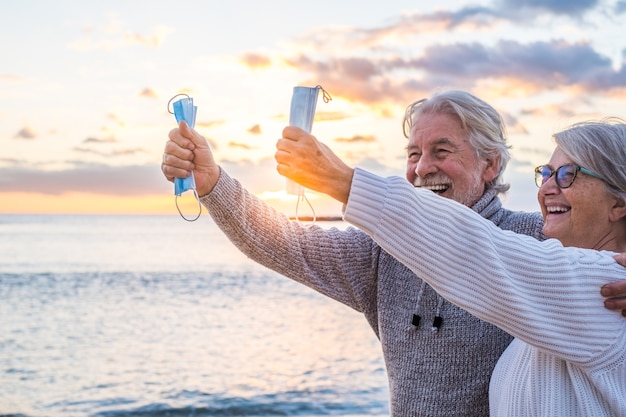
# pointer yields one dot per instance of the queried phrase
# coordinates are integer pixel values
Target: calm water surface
(154, 316)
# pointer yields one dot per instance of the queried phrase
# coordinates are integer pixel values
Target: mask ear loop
(302, 197)
(195, 194)
(325, 96)
(301, 194)
(172, 99)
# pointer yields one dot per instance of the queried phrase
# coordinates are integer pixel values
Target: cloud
(149, 93)
(472, 17)
(241, 145)
(116, 152)
(552, 110)
(544, 65)
(357, 139)
(99, 140)
(413, 26)
(512, 124)
(620, 7)
(365, 80)
(475, 17)
(209, 123)
(329, 116)
(134, 180)
(26, 133)
(12, 161)
(377, 68)
(137, 180)
(566, 7)
(254, 60)
(154, 39)
(408, 25)
(126, 181)
(360, 69)
(255, 130)
(117, 119)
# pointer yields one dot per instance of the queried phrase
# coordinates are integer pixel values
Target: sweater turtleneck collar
(489, 205)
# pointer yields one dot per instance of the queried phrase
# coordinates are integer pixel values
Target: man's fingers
(177, 137)
(614, 289)
(197, 140)
(176, 161)
(284, 147)
(293, 133)
(177, 156)
(170, 171)
(617, 304)
(620, 258)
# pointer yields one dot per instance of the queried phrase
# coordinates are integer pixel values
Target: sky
(85, 86)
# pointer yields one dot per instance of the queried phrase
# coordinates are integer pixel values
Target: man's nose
(425, 166)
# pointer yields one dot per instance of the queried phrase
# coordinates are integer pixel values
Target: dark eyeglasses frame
(540, 179)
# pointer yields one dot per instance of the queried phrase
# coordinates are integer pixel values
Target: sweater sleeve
(336, 263)
(540, 292)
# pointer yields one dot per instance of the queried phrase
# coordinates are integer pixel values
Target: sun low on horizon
(84, 203)
(84, 90)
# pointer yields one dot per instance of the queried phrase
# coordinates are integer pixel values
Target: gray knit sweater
(431, 373)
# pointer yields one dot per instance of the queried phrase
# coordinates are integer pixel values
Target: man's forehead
(436, 127)
(420, 142)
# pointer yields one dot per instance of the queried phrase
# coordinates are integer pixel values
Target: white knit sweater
(569, 355)
(442, 373)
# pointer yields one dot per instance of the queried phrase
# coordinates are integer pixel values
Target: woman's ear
(618, 211)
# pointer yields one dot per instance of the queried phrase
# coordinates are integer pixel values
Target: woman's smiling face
(578, 215)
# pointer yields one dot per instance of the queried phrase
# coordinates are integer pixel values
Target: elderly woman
(569, 355)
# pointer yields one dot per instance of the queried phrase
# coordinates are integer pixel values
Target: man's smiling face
(440, 158)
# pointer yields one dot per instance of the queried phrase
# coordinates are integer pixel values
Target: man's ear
(618, 211)
(491, 170)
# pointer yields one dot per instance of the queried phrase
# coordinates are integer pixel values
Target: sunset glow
(84, 88)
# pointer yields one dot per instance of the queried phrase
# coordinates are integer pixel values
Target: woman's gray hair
(483, 124)
(601, 147)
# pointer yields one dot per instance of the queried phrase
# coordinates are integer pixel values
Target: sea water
(154, 316)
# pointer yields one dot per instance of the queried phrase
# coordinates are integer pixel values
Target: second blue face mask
(302, 113)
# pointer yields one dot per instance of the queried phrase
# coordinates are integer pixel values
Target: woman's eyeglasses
(564, 175)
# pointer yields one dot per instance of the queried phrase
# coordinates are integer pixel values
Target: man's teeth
(436, 187)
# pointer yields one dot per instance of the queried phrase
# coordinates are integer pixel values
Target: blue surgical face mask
(184, 110)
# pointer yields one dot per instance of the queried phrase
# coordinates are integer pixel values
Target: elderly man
(439, 358)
